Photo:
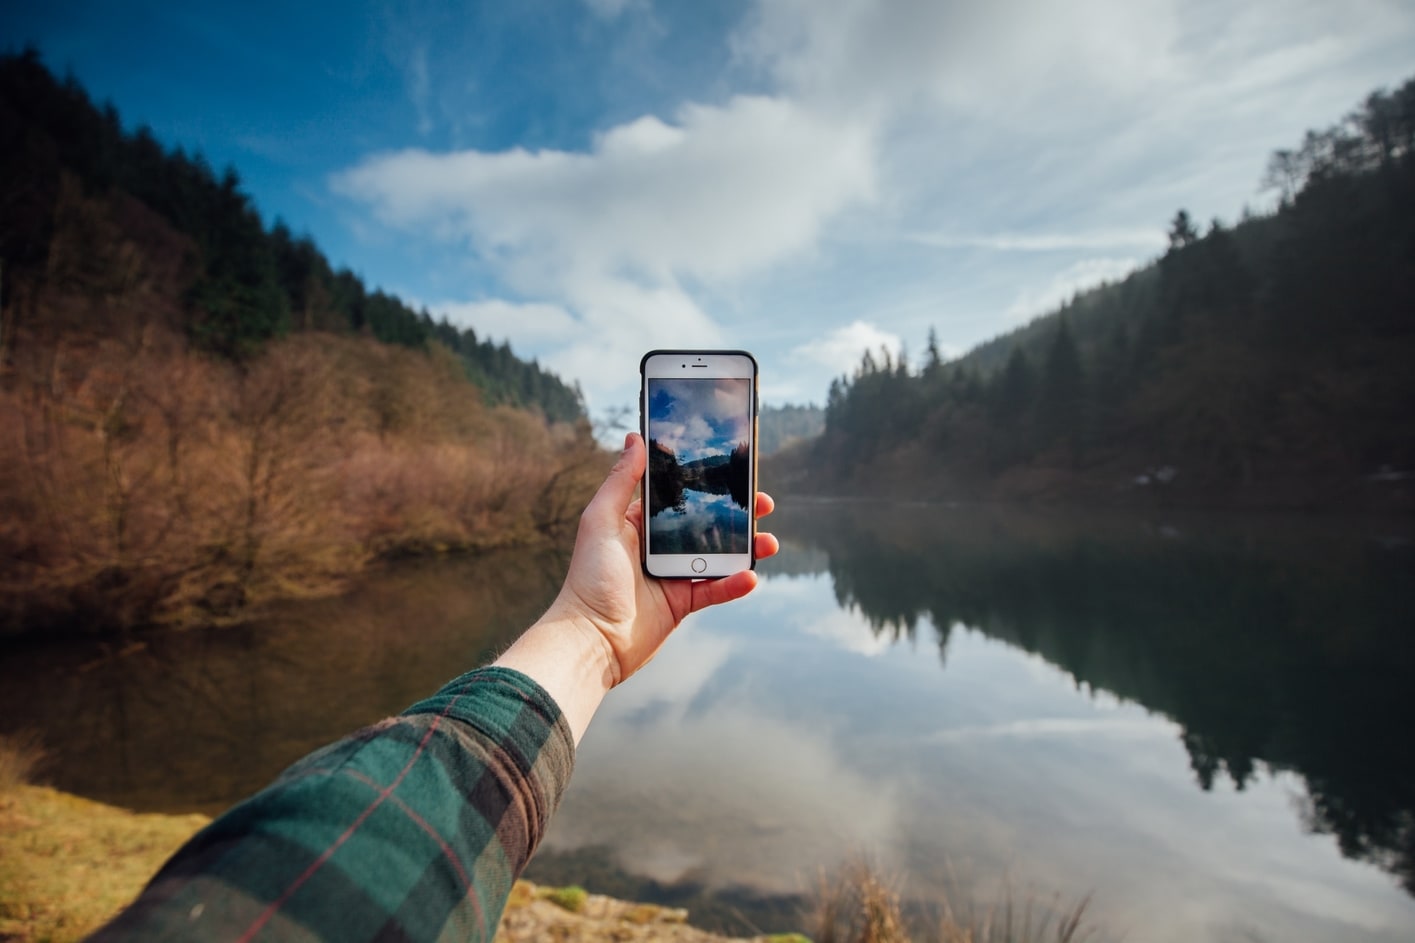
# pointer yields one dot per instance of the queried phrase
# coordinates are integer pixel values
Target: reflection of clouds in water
(760, 747)
(679, 672)
(1093, 794)
(1125, 728)
(802, 605)
(847, 630)
(730, 795)
(724, 792)
(709, 523)
(698, 504)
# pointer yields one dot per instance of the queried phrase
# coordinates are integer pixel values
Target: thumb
(618, 489)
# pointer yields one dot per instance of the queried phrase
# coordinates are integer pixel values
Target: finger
(767, 545)
(715, 592)
(635, 514)
(765, 504)
(619, 487)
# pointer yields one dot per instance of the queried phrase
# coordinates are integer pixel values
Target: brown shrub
(150, 484)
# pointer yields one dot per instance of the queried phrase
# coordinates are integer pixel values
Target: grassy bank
(67, 865)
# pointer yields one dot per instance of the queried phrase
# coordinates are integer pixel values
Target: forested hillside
(248, 284)
(1265, 363)
(198, 414)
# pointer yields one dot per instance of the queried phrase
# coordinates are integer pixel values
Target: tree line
(250, 284)
(1270, 353)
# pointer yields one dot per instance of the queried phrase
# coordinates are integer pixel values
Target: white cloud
(722, 192)
(1088, 273)
(615, 233)
(1150, 238)
(840, 350)
(869, 55)
(533, 322)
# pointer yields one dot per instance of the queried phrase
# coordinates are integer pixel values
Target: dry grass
(857, 905)
(21, 756)
(67, 865)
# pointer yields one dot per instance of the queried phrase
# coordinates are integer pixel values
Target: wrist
(566, 654)
(584, 641)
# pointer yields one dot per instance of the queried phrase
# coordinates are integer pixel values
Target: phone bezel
(700, 364)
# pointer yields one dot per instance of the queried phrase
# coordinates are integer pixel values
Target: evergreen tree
(1062, 400)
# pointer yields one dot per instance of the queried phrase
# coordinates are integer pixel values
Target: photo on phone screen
(699, 481)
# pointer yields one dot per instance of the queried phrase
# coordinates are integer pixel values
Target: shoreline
(43, 615)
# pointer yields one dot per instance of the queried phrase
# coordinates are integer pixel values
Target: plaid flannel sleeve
(412, 829)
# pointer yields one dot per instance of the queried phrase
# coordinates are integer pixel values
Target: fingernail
(628, 440)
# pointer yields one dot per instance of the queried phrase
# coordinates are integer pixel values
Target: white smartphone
(698, 413)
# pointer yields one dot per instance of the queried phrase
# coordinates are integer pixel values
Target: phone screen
(699, 484)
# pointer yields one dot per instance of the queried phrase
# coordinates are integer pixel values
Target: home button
(699, 564)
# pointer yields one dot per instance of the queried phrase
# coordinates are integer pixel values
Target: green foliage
(570, 898)
(1277, 348)
(251, 284)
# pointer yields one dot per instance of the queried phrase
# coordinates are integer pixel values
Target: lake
(1201, 721)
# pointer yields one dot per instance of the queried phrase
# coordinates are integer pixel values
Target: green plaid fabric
(412, 829)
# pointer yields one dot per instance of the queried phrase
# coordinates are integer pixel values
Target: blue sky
(699, 418)
(802, 178)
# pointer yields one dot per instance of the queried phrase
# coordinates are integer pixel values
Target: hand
(607, 588)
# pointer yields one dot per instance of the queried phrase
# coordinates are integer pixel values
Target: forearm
(410, 828)
(567, 657)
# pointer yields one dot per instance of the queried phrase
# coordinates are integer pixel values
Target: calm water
(1205, 722)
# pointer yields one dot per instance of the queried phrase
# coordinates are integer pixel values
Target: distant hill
(1261, 364)
(712, 461)
(244, 283)
(782, 426)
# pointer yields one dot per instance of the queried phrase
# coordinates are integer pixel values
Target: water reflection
(195, 721)
(1157, 712)
(1287, 647)
(1087, 706)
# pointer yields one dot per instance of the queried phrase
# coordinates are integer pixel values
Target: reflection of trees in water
(739, 475)
(669, 478)
(241, 702)
(1267, 659)
(665, 479)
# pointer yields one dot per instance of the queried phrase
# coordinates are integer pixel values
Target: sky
(590, 179)
(699, 418)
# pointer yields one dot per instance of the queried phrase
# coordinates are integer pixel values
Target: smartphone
(698, 413)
